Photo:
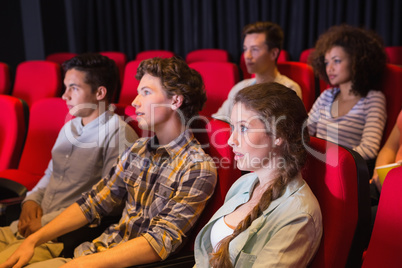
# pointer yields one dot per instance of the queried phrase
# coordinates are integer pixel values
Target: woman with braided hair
(270, 216)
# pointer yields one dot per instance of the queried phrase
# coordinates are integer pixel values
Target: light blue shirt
(287, 234)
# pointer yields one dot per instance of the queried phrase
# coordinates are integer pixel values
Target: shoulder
(242, 184)
(286, 81)
(115, 121)
(297, 203)
(328, 95)
(375, 95)
(196, 156)
(307, 199)
(374, 99)
(244, 83)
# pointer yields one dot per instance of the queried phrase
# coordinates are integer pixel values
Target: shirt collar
(174, 147)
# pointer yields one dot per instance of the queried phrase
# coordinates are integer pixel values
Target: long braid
(220, 258)
(269, 100)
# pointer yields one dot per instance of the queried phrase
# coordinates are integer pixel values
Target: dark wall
(12, 42)
(130, 26)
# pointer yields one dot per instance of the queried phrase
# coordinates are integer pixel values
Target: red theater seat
(207, 55)
(130, 83)
(385, 248)
(60, 57)
(36, 80)
(339, 179)
(5, 80)
(394, 55)
(303, 75)
(46, 118)
(13, 128)
(147, 54)
(392, 89)
(305, 54)
(219, 78)
(120, 59)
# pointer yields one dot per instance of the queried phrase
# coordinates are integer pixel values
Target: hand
(30, 210)
(33, 226)
(21, 256)
(377, 182)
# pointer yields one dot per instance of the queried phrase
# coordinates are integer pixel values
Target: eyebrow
(73, 85)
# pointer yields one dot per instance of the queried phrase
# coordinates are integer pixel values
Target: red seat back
(303, 75)
(13, 123)
(36, 80)
(385, 247)
(130, 83)
(207, 55)
(47, 117)
(338, 178)
(394, 55)
(119, 58)
(219, 78)
(147, 54)
(392, 89)
(5, 80)
(305, 54)
(60, 57)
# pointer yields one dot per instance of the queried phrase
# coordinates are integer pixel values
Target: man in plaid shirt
(165, 181)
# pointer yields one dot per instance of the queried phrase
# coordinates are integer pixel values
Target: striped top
(165, 188)
(360, 129)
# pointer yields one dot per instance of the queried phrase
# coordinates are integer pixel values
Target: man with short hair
(262, 44)
(85, 150)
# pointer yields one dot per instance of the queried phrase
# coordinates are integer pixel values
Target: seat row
(337, 176)
(37, 80)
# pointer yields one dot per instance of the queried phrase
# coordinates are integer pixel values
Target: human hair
(99, 70)
(177, 78)
(365, 50)
(273, 33)
(272, 100)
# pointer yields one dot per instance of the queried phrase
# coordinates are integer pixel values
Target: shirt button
(67, 156)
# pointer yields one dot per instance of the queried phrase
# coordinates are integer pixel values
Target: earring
(277, 142)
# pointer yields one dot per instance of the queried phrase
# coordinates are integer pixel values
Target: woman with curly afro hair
(352, 112)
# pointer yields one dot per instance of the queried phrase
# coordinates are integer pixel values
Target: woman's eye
(243, 128)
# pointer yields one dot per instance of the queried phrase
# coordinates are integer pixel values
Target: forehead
(254, 39)
(336, 51)
(75, 76)
(241, 113)
(151, 82)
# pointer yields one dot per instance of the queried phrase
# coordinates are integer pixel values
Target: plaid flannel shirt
(164, 188)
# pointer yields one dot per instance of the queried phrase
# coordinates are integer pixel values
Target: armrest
(10, 188)
(10, 210)
(10, 202)
(13, 194)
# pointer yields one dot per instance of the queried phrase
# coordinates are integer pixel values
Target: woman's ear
(101, 93)
(177, 101)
